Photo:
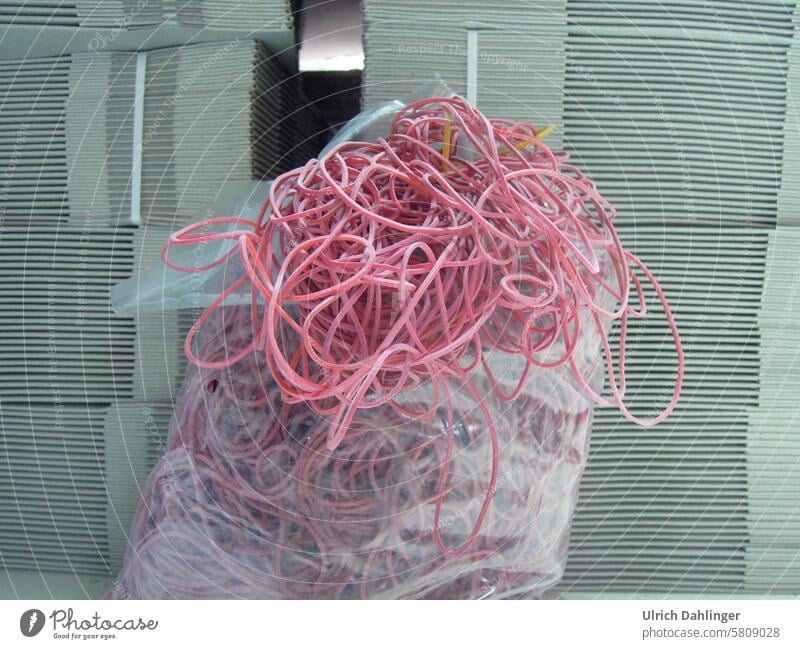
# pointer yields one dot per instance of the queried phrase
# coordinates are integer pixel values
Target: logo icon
(31, 622)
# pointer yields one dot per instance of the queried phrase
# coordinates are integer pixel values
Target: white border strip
(773, 623)
(138, 135)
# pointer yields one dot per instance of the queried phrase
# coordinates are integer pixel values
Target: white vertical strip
(138, 135)
(472, 66)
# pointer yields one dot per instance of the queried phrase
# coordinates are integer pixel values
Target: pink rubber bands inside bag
(392, 395)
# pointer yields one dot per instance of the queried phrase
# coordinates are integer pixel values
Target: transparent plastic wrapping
(162, 288)
(249, 502)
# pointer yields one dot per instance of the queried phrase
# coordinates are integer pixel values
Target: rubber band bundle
(402, 408)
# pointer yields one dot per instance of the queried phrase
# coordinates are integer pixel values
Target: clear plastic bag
(162, 288)
(249, 502)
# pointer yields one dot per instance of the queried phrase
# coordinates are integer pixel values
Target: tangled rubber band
(407, 264)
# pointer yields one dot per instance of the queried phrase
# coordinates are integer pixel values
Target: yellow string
(448, 134)
(540, 135)
(448, 131)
